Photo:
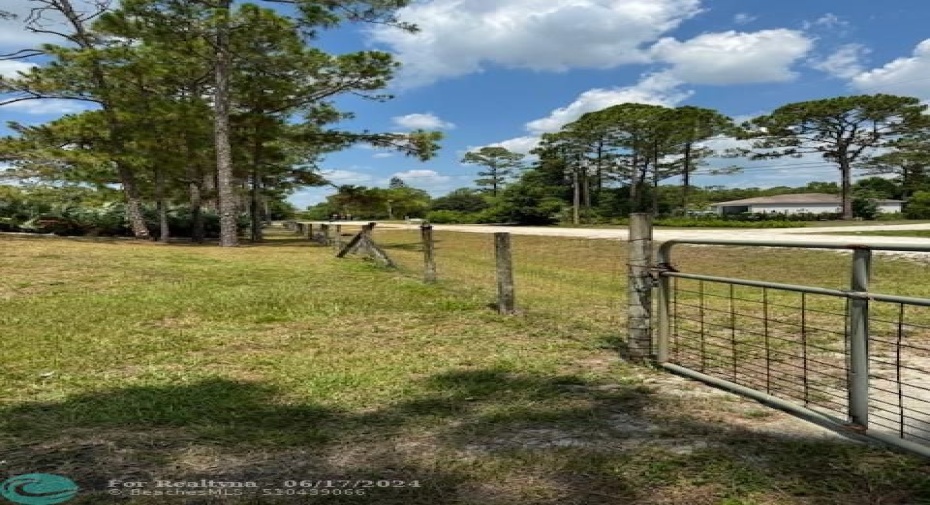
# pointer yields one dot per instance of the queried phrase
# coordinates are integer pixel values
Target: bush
(681, 222)
(865, 207)
(918, 207)
(450, 217)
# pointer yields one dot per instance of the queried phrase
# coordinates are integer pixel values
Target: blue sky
(503, 72)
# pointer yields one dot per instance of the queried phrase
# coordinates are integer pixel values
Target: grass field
(272, 363)
(892, 233)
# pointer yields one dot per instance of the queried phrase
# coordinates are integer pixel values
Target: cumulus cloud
(734, 57)
(351, 176)
(845, 63)
(426, 121)
(431, 181)
(46, 107)
(903, 76)
(522, 145)
(11, 68)
(654, 89)
(828, 21)
(460, 37)
(744, 18)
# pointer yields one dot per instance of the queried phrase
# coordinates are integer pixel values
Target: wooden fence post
(639, 320)
(325, 233)
(506, 298)
(429, 253)
(337, 238)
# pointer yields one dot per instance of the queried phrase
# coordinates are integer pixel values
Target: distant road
(784, 235)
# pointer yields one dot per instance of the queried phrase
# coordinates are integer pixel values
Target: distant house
(804, 203)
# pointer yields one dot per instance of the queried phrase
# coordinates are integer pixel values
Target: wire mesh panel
(464, 261)
(786, 344)
(577, 283)
(574, 283)
(899, 366)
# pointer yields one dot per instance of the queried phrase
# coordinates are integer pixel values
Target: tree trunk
(255, 207)
(209, 187)
(576, 200)
(846, 189)
(194, 190)
(162, 208)
(655, 178)
(686, 179)
(133, 202)
(255, 195)
(224, 170)
(634, 184)
(114, 127)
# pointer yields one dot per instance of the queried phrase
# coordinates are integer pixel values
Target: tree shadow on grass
(466, 436)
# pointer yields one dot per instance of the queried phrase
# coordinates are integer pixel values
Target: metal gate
(849, 359)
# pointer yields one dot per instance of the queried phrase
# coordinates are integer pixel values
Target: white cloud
(459, 37)
(433, 182)
(46, 107)
(654, 89)
(9, 68)
(350, 176)
(521, 145)
(382, 155)
(845, 63)
(828, 21)
(13, 33)
(421, 175)
(744, 19)
(428, 121)
(734, 57)
(903, 76)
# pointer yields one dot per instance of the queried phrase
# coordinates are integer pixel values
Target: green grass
(138, 361)
(891, 233)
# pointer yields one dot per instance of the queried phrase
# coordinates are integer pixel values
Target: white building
(804, 203)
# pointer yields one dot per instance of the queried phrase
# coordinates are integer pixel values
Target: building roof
(794, 199)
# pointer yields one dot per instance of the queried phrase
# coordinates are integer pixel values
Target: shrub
(865, 207)
(449, 217)
(680, 222)
(918, 207)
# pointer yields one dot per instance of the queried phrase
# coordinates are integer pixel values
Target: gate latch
(656, 271)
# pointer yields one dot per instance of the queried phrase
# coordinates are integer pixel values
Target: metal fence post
(858, 380)
(506, 303)
(639, 314)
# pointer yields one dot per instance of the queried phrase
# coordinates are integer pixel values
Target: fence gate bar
(851, 360)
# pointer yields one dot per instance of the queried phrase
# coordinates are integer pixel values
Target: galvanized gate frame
(857, 423)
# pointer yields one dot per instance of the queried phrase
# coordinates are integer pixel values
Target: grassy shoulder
(278, 362)
(890, 233)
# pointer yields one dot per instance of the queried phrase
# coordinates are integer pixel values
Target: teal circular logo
(38, 489)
